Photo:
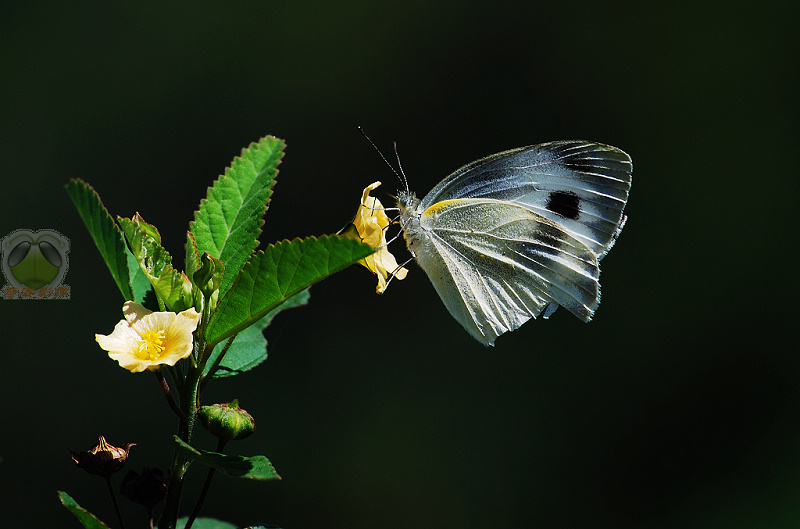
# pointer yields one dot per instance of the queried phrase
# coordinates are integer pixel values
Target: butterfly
(517, 234)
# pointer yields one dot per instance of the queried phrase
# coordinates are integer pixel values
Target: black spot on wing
(564, 203)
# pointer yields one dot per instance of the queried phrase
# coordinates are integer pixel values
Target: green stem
(190, 402)
(169, 517)
(202, 498)
(180, 463)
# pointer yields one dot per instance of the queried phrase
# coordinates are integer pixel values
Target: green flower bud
(227, 421)
(209, 277)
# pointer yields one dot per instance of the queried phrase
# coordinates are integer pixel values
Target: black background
(677, 407)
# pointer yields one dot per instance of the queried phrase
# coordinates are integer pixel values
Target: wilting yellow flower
(149, 340)
(371, 222)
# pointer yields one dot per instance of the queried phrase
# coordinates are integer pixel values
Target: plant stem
(114, 501)
(202, 498)
(187, 412)
(172, 503)
(180, 463)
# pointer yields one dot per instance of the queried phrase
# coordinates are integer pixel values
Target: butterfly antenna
(400, 166)
(361, 130)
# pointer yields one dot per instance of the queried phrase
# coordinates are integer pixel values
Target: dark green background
(677, 407)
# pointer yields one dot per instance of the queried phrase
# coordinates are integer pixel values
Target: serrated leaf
(278, 273)
(156, 263)
(228, 221)
(256, 467)
(249, 349)
(87, 519)
(104, 232)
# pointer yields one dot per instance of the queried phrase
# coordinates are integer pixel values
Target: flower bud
(227, 421)
(209, 277)
(102, 459)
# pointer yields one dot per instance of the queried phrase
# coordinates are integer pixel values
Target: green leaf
(278, 273)
(87, 519)
(211, 523)
(104, 232)
(140, 284)
(145, 242)
(193, 264)
(249, 349)
(228, 221)
(256, 467)
(192, 255)
(205, 523)
(171, 286)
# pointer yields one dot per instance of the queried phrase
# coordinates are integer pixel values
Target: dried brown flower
(102, 459)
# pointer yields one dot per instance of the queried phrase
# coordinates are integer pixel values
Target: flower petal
(132, 343)
(123, 338)
(134, 312)
(371, 222)
(130, 362)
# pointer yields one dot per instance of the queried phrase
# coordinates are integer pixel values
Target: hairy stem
(180, 463)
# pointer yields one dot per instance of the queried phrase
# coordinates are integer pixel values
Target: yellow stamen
(150, 347)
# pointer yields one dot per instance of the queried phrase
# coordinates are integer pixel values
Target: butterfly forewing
(581, 186)
(496, 264)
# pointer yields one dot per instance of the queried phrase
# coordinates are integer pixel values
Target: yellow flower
(149, 340)
(371, 222)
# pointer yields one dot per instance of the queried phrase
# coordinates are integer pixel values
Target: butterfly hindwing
(497, 264)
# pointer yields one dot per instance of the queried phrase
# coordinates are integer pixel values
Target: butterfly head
(407, 201)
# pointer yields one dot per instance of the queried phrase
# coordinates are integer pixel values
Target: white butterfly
(514, 235)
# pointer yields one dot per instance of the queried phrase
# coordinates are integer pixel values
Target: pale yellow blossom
(371, 222)
(147, 340)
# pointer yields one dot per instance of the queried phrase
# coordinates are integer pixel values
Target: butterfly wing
(581, 186)
(496, 264)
